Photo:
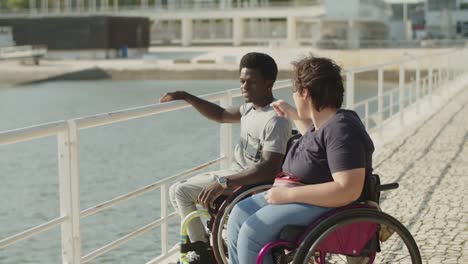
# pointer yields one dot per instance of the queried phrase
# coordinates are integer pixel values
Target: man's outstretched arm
(208, 109)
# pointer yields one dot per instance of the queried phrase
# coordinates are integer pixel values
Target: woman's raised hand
(284, 109)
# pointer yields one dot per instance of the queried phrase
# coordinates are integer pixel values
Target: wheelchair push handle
(389, 186)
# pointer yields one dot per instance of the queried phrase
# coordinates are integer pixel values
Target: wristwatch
(223, 181)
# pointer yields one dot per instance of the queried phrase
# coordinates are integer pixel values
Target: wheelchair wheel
(340, 239)
(219, 230)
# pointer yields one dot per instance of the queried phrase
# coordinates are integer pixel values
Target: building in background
(353, 23)
(408, 21)
(319, 23)
(94, 37)
(447, 19)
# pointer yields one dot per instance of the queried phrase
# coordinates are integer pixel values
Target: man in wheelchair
(326, 168)
(258, 154)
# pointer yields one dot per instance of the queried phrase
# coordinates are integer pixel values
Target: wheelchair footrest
(195, 246)
(200, 253)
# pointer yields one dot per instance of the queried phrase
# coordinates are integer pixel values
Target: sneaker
(198, 253)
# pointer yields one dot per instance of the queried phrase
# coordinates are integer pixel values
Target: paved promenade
(430, 161)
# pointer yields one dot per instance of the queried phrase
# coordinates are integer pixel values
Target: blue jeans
(253, 223)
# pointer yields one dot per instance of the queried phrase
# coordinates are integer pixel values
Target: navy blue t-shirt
(342, 143)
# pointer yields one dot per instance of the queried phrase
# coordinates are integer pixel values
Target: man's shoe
(198, 253)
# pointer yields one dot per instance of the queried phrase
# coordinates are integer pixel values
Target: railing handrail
(401, 61)
(52, 128)
(66, 132)
(105, 205)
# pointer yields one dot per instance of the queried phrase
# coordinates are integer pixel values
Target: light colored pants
(253, 223)
(184, 198)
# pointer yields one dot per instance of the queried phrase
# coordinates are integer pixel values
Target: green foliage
(17, 4)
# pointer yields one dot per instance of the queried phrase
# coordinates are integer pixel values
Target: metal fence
(414, 84)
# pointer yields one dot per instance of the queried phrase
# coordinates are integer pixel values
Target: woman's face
(302, 102)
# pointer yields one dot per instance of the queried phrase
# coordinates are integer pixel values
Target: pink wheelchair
(357, 234)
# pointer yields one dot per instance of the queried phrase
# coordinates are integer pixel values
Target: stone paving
(430, 162)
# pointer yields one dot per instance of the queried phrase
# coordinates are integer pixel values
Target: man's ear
(269, 85)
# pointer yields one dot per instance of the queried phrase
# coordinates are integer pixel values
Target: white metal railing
(388, 104)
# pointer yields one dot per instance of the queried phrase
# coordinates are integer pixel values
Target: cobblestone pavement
(430, 162)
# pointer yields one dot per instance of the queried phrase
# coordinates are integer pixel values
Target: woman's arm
(345, 189)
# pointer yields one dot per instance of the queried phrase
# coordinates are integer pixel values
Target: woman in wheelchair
(324, 169)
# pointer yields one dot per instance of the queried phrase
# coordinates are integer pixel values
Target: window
(437, 5)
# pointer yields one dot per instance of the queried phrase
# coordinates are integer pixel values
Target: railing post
(418, 83)
(144, 4)
(350, 90)
(56, 6)
(447, 71)
(116, 6)
(225, 142)
(164, 225)
(418, 79)
(430, 83)
(67, 6)
(92, 6)
(44, 6)
(440, 75)
(69, 186)
(401, 91)
(380, 98)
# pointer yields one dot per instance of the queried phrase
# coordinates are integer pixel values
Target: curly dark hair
(265, 64)
(322, 77)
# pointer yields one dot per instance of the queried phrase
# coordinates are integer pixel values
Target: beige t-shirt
(261, 130)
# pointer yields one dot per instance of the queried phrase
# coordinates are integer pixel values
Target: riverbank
(191, 63)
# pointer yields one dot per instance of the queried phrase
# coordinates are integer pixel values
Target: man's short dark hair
(265, 64)
(322, 77)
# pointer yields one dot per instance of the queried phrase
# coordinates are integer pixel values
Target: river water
(113, 160)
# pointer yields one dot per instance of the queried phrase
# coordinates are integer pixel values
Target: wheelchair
(358, 233)
(219, 214)
(217, 222)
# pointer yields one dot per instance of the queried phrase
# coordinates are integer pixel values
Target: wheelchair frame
(219, 218)
(309, 242)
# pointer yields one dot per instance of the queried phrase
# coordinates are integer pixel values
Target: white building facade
(447, 19)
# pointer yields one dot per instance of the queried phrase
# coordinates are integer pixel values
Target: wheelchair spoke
(219, 231)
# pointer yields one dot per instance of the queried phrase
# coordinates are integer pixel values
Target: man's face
(253, 86)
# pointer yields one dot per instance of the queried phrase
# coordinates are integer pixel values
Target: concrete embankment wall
(208, 63)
